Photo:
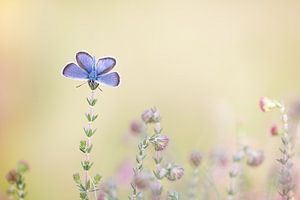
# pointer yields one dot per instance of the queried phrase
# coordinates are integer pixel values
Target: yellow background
(204, 64)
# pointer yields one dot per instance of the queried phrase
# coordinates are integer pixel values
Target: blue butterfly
(93, 72)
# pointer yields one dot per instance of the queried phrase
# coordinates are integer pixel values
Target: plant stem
(194, 184)
(139, 167)
(285, 176)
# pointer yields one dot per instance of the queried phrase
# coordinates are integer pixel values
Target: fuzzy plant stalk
(157, 160)
(234, 174)
(195, 161)
(16, 180)
(285, 173)
(193, 185)
(88, 185)
(173, 195)
(138, 169)
(94, 73)
(159, 143)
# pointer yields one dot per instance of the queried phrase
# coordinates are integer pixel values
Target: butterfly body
(93, 72)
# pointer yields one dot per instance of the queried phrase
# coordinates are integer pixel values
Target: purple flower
(159, 141)
(13, 176)
(175, 172)
(195, 158)
(274, 130)
(136, 127)
(266, 104)
(151, 115)
(141, 181)
(255, 157)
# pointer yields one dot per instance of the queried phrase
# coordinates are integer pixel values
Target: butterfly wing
(85, 61)
(104, 65)
(75, 72)
(111, 79)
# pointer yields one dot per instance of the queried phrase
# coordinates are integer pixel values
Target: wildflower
(274, 130)
(159, 141)
(175, 172)
(151, 115)
(267, 104)
(23, 166)
(12, 176)
(160, 173)
(195, 158)
(255, 157)
(136, 127)
(141, 181)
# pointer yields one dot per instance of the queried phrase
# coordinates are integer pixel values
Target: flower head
(267, 104)
(136, 127)
(141, 181)
(159, 141)
(151, 115)
(195, 158)
(23, 166)
(175, 172)
(12, 176)
(274, 130)
(255, 157)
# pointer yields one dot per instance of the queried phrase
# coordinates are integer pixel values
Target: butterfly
(93, 72)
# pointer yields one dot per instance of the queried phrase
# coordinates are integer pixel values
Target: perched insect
(93, 72)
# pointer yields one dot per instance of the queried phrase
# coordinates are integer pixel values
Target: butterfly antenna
(81, 85)
(100, 89)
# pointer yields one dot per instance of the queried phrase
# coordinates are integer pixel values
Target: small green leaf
(97, 178)
(76, 178)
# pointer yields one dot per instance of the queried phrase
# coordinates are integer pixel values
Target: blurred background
(204, 64)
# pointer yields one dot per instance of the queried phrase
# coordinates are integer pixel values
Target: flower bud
(175, 172)
(151, 115)
(195, 158)
(13, 176)
(160, 172)
(255, 157)
(266, 104)
(141, 181)
(136, 127)
(274, 130)
(22, 166)
(159, 141)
